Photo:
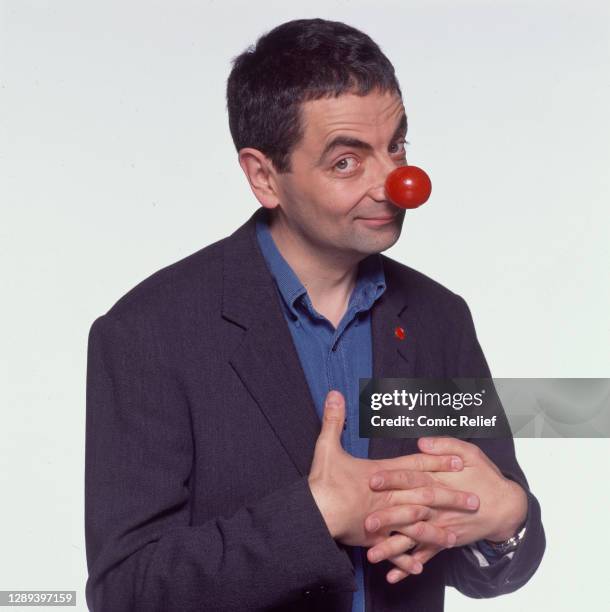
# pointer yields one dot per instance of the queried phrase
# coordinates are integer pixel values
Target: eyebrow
(348, 141)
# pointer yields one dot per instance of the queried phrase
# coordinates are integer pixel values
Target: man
(224, 470)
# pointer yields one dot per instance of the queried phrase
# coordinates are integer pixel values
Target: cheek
(342, 196)
(321, 204)
(322, 198)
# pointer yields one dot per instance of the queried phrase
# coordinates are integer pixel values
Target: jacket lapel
(266, 360)
(392, 357)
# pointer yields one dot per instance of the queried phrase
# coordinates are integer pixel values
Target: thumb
(333, 418)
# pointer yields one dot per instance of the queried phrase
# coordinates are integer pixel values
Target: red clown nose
(408, 186)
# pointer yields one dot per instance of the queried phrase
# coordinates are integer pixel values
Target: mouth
(379, 220)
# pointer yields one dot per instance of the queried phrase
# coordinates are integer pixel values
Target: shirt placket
(337, 365)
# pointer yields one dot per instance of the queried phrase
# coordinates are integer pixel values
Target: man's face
(335, 190)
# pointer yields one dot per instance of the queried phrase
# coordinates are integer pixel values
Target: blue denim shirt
(332, 358)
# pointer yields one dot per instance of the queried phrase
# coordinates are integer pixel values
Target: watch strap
(509, 545)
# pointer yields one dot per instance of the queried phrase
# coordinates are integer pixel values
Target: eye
(400, 146)
(343, 165)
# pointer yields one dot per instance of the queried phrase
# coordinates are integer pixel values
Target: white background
(116, 160)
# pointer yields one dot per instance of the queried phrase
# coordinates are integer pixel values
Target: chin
(377, 243)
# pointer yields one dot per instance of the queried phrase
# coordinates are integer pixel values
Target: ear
(260, 174)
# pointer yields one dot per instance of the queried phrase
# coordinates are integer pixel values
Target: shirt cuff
(486, 555)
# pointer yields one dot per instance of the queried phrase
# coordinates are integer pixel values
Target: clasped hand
(407, 509)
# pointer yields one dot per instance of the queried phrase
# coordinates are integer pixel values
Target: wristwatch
(509, 545)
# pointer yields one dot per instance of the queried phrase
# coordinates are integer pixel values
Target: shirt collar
(370, 281)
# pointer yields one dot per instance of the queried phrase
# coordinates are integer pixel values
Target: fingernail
(374, 556)
(417, 567)
(428, 443)
(456, 463)
(451, 539)
(376, 481)
(472, 501)
(332, 399)
(393, 576)
(373, 524)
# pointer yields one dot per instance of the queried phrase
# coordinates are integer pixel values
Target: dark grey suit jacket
(200, 433)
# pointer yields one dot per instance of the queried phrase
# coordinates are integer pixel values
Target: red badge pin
(399, 332)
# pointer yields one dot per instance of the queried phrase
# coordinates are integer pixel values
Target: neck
(328, 277)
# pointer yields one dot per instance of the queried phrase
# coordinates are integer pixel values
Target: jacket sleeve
(462, 570)
(142, 551)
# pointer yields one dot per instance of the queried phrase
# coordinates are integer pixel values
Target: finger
(427, 533)
(333, 418)
(395, 575)
(444, 445)
(421, 554)
(424, 553)
(422, 531)
(433, 497)
(423, 462)
(395, 516)
(393, 546)
(407, 564)
(437, 497)
(400, 479)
